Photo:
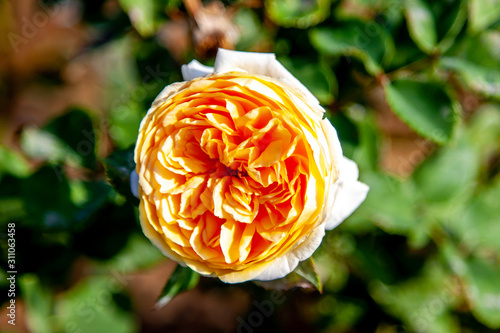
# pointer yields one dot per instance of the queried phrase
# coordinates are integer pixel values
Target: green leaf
(425, 107)
(366, 153)
(477, 76)
(182, 279)
(143, 15)
(482, 14)
(369, 42)
(69, 138)
(346, 131)
(318, 77)
(476, 60)
(483, 291)
(44, 146)
(47, 199)
(39, 304)
(12, 163)
(75, 129)
(423, 303)
(89, 307)
(307, 270)
(476, 225)
(297, 13)
(390, 204)
(484, 129)
(138, 254)
(421, 24)
(251, 30)
(447, 173)
(119, 165)
(453, 17)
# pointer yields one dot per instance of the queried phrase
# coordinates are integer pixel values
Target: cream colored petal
(195, 69)
(349, 194)
(258, 64)
(285, 264)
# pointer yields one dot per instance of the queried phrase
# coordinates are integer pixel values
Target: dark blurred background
(412, 86)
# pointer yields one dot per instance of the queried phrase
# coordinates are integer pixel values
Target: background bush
(412, 86)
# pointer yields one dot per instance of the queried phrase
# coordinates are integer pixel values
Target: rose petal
(284, 265)
(349, 194)
(258, 64)
(195, 69)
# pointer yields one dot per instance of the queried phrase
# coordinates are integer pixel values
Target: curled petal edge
(348, 194)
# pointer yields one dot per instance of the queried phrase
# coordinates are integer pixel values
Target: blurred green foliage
(420, 255)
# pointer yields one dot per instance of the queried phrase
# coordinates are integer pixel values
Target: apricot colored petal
(154, 236)
(196, 241)
(230, 236)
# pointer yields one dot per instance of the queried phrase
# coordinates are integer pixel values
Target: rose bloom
(239, 174)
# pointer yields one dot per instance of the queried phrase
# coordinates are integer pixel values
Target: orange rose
(239, 175)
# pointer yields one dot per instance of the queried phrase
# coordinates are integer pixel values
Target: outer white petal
(258, 64)
(348, 195)
(195, 69)
(285, 264)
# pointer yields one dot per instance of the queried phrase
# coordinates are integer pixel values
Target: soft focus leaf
(129, 88)
(478, 77)
(447, 173)
(483, 291)
(483, 133)
(12, 163)
(139, 253)
(46, 196)
(317, 77)
(451, 22)
(119, 166)
(476, 61)
(425, 107)
(251, 30)
(307, 270)
(483, 13)
(181, 279)
(143, 15)
(421, 24)
(368, 42)
(75, 129)
(109, 238)
(297, 13)
(423, 302)
(39, 304)
(390, 204)
(476, 225)
(44, 146)
(367, 153)
(89, 307)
